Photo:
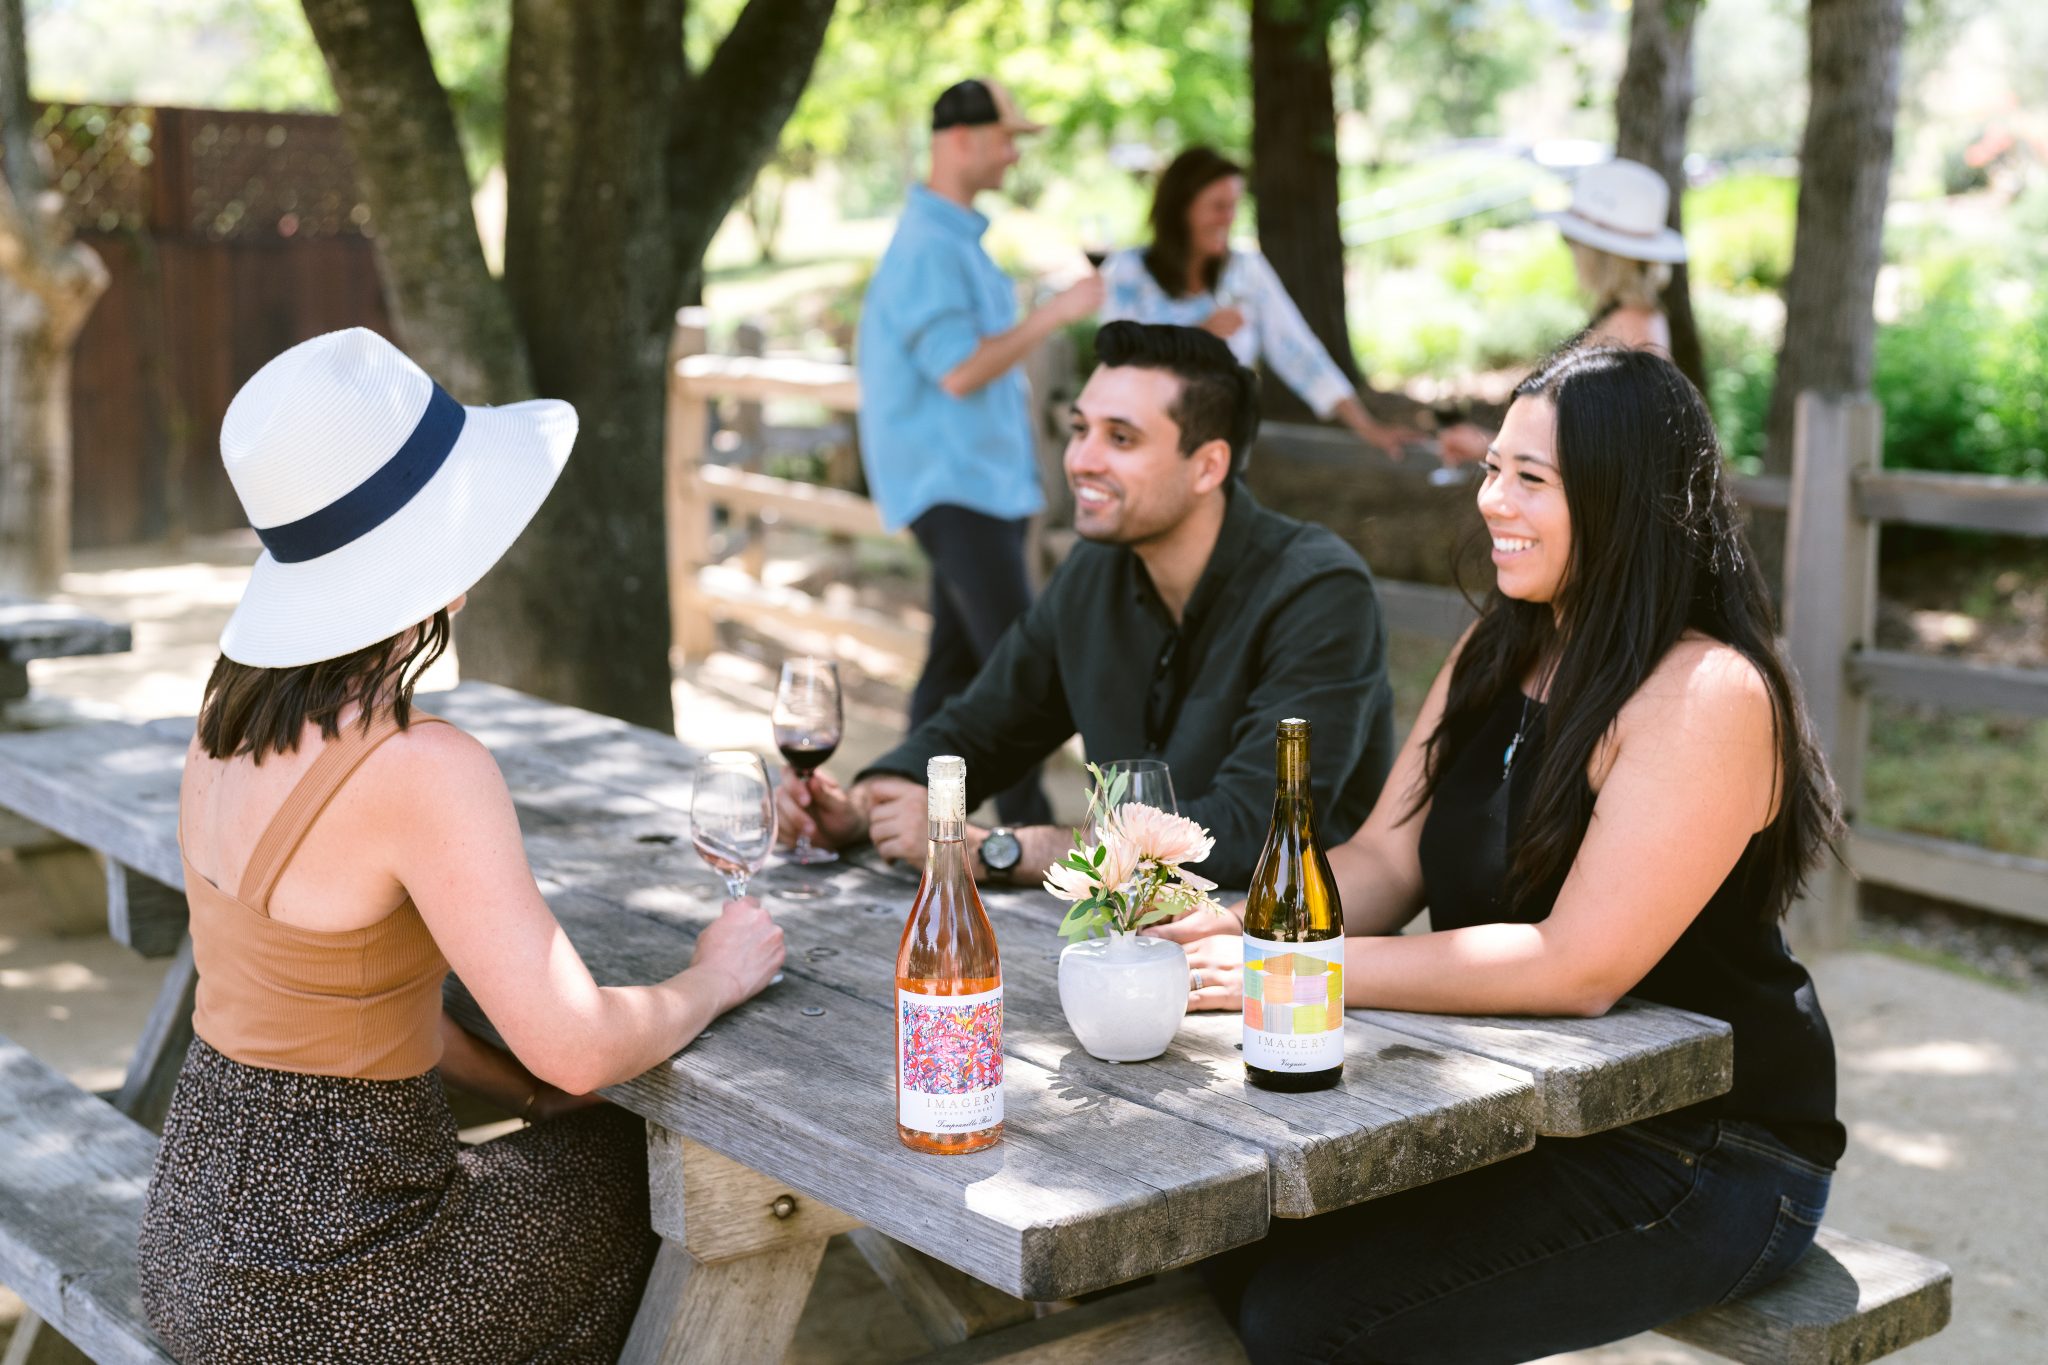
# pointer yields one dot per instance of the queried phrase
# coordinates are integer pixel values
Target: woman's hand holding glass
(742, 950)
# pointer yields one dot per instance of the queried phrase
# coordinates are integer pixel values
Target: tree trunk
(1294, 169)
(448, 312)
(619, 167)
(1845, 167)
(1651, 109)
(579, 607)
(35, 469)
(48, 286)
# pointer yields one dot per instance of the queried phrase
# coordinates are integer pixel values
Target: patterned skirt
(317, 1218)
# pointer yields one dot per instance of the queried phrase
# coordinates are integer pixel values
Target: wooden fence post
(1049, 371)
(1830, 610)
(749, 339)
(692, 632)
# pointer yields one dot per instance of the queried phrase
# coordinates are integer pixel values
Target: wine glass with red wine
(732, 816)
(809, 722)
(1095, 239)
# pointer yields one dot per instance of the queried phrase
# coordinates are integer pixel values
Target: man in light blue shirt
(945, 425)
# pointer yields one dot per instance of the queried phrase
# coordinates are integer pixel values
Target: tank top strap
(314, 789)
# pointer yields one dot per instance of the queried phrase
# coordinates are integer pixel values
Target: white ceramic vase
(1124, 995)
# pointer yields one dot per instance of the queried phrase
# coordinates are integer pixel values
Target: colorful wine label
(949, 1061)
(1294, 1004)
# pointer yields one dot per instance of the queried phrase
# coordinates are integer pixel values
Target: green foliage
(256, 54)
(1963, 376)
(1739, 231)
(1467, 54)
(1093, 71)
(1742, 360)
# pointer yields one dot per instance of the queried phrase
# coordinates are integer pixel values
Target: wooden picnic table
(776, 1128)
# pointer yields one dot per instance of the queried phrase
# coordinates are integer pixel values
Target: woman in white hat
(343, 851)
(1623, 249)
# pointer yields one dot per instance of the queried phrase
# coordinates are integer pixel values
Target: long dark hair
(1656, 549)
(1193, 171)
(261, 711)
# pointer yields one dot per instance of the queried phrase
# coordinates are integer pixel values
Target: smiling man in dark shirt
(1188, 621)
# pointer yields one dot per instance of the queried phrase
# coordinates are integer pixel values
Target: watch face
(1001, 850)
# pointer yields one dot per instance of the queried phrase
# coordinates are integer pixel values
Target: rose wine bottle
(1293, 942)
(949, 992)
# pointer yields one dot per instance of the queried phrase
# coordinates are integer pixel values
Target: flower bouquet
(1125, 995)
(1135, 873)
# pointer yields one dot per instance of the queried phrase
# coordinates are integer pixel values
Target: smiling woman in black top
(1612, 789)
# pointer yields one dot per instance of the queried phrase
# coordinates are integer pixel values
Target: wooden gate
(229, 236)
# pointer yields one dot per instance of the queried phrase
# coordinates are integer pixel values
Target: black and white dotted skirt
(318, 1218)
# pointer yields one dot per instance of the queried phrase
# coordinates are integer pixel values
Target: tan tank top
(361, 1002)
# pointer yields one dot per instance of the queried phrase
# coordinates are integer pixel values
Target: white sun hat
(379, 499)
(1620, 207)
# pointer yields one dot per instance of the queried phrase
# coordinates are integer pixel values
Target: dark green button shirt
(1283, 622)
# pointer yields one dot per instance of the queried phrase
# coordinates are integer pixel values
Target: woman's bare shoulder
(1702, 681)
(432, 762)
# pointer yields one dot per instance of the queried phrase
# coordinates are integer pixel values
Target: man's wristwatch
(1001, 850)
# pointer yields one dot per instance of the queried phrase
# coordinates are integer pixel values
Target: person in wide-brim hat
(378, 498)
(1623, 248)
(343, 851)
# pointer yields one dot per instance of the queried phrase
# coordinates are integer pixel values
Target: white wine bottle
(1293, 941)
(949, 991)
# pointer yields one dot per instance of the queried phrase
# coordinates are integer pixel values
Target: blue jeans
(1578, 1242)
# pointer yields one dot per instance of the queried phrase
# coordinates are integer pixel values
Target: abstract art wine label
(949, 991)
(1293, 1005)
(949, 1054)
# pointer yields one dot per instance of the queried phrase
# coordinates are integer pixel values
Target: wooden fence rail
(1837, 497)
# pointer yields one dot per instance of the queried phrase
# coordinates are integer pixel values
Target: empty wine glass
(809, 722)
(1147, 783)
(732, 816)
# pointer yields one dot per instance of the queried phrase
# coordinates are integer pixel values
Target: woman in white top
(1192, 276)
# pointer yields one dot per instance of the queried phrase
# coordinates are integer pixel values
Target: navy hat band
(378, 498)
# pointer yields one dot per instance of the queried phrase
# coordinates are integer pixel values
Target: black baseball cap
(977, 103)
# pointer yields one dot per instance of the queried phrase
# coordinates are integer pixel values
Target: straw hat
(379, 499)
(1620, 207)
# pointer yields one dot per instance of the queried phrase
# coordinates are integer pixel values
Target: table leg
(71, 883)
(1171, 1319)
(160, 1054)
(738, 1254)
(948, 1305)
(35, 1342)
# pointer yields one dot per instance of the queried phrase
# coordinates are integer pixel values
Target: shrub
(1961, 376)
(1739, 231)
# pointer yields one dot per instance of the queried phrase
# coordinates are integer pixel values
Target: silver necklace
(1507, 759)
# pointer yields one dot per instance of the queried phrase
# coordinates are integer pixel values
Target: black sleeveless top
(1730, 963)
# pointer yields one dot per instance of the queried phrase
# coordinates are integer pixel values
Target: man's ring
(1194, 981)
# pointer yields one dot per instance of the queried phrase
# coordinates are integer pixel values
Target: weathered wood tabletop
(1105, 1173)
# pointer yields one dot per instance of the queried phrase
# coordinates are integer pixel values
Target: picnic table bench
(34, 629)
(775, 1129)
